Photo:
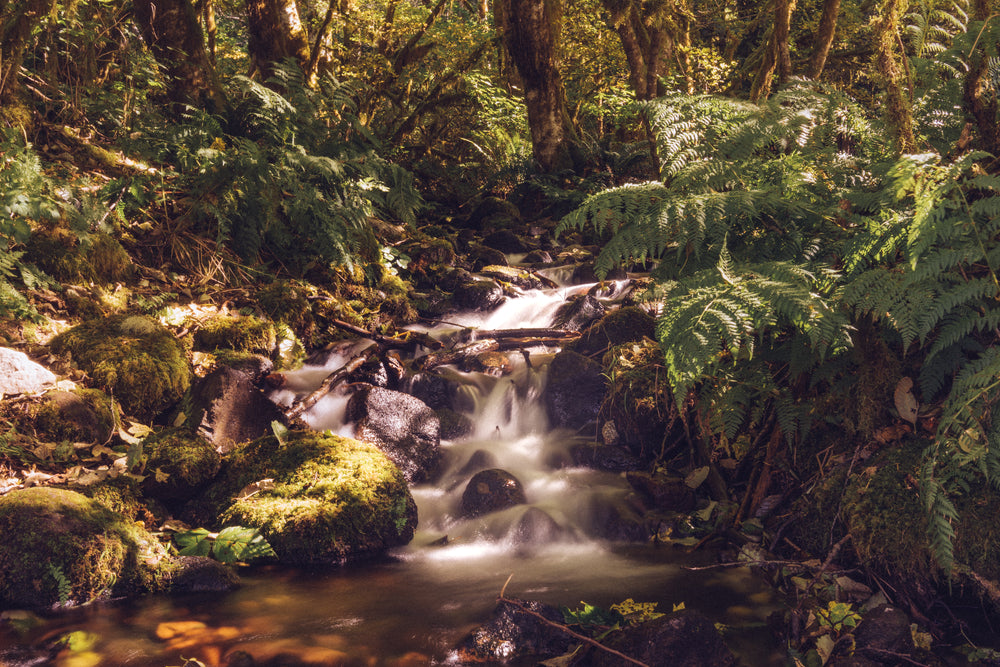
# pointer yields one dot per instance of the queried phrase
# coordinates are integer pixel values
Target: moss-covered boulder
(81, 415)
(240, 333)
(638, 396)
(178, 463)
(330, 500)
(62, 547)
(65, 255)
(624, 325)
(140, 362)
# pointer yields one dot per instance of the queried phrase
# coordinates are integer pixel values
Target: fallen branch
(436, 359)
(562, 628)
(409, 341)
(561, 334)
(331, 381)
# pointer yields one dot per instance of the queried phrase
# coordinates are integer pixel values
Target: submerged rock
(511, 633)
(491, 490)
(401, 426)
(21, 375)
(137, 360)
(61, 547)
(317, 499)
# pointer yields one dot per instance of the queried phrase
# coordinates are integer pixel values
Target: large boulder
(228, 409)
(317, 499)
(575, 390)
(403, 427)
(132, 357)
(61, 547)
(81, 415)
(683, 638)
(514, 276)
(579, 313)
(21, 375)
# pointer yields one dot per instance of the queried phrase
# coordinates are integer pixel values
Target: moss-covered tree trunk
(275, 34)
(17, 20)
(531, 31)
(898, 113)
(173, 33)
(979, 98)
(824, 37)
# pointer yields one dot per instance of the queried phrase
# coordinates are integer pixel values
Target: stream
(414, 606)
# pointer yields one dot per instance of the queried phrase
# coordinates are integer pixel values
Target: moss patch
(333, 499)
(60, 546)
(242, 334)
(97, 258)
(178, 462)
(134, 358)
(625, 325)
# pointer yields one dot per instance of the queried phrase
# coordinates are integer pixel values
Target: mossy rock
(97, 257)
(178, 463)
(625, 325)
(81, 415)
(123, 496)
(62, 547)
(333, 499)
(288, 302)
(239, 333)
(514, 276)
(138, 361)
(635, 399)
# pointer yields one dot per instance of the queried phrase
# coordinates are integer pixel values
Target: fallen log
(331, 381)
(435, 359)
(409, 341)
(481, 334)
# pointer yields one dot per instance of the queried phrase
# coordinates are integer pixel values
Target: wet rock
(491, 490)
(514, 276)
(437, 391)
(480, 460)
(286, 653)
(538, 257)
(178, 464)
(683, 638)
(575, 390)
(454, 425)
(494, 364)
(61, 547)
(511, 633)
(884, 633)
(605, 457)
(200, 574)
(254, 366)
(536, 527)
(227, 409)
(478, 294)
(21, 375)
(625, 325)
(505, 241)
(662, 491)
(131, 356)
(579, 313)
(400, 425)
(480, 256)
(317, 499)
(372, 372)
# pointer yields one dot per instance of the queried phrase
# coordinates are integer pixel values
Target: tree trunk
(17, 18)
(782, 28)
(979, 98)
(824, 37)
(531, 34)
(275, 34)
(897, 104)
(172, 31)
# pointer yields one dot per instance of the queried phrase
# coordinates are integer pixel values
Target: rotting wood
(331, 381)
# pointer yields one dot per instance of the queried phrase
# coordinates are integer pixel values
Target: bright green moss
(333, 499)
(177, 462)
(83, 415)
(133, 358)
(243, 334)
(97, 258)
(60, 546)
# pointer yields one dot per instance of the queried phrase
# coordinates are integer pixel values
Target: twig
(330, 382)
(563, 628)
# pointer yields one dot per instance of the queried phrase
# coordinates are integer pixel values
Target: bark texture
(275, 34)
(173, 33)
(824, 37)
(898, 113)
(17, 18)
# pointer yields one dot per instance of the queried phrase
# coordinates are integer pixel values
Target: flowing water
(413, 607)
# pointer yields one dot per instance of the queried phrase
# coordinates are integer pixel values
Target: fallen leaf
(695, 478)
(906, 403)
(256, 487)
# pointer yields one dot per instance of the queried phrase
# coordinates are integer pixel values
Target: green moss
(97, 258)
(133, 358)
(243, 334)
(61, 546)
(333, 499)
(288, 302)
(625, 325)
(177, 463)
(122, 496)
(82, 415)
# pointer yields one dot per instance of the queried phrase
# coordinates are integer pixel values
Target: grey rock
(21, 375)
